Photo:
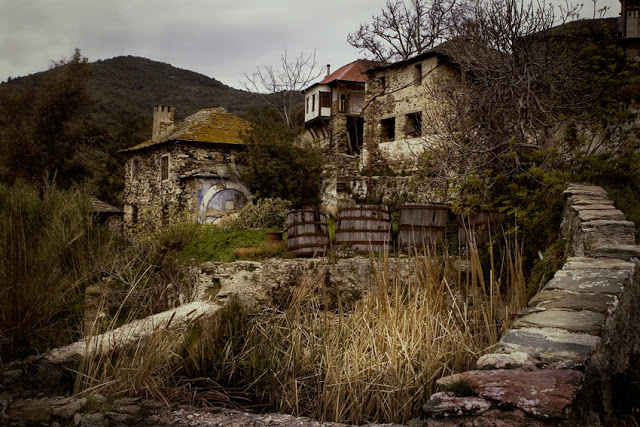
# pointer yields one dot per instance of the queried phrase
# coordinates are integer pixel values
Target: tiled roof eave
(160, 144)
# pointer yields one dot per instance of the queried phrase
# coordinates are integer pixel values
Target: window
(313, 102)
(343, 106)
(388, 129)
(413, 126)
(307, 110)
(164, 167)
(383, 84)
(417, 69)
(325, 99)
(135, 168)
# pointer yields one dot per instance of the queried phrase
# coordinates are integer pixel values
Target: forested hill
(125, 87)
(71, 122)
(131, 86)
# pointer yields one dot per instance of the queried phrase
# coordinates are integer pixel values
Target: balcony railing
(343, 106)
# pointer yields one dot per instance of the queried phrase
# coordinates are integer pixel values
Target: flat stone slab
(590, 281)
(543, 393)
(598, 205)
(514, 359)
(585, 190)
(546, 344)
(559, 299)
(583, 201)
(600, 214)
(575, 263)
(446, 404)
(625, 252)
(605, 232)
(573, 321)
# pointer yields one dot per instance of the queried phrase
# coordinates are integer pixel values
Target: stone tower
(163, 119)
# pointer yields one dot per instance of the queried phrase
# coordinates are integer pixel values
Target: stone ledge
(544, 393)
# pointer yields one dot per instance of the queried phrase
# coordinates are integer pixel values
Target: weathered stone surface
(67, 411)
(37, 411)
(599, 205)
(580, 263)
(625, 252)
(542, 393)
(608, 232)
(560, 299)
(446, 404)
(590, 281)
(551, 344)
(515, 359)
(93, 420)
(585, 191)
(600, 214)
(586, 202)
(572, 321)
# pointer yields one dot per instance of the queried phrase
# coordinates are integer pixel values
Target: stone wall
(556, 364)
(193, 169)
(393, 94)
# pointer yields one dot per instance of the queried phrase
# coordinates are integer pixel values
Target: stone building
(398, 98)
(334, 106)
(334, 119)
(185, 169)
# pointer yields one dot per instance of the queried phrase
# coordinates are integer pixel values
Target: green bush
(266, 213)
(277, 164)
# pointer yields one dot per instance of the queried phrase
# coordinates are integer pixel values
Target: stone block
(590, 281)
(559, 299)
(547, 345)
(542, 393)
(607, 232)
(448, 404)
(625, 252)
(515, 359)
(600, 214)
(572, 321)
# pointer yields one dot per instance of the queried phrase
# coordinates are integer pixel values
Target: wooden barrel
(307, 231)
(366, 227)
(478, 226)
(421, 225)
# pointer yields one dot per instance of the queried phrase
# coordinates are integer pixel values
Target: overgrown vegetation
(370, 359)
(277, 164)
(51, 250)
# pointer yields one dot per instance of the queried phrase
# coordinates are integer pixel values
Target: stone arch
(219, 193)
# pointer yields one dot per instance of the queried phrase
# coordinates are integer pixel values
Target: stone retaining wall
(555, 365)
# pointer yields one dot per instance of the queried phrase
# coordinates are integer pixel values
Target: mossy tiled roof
(210, 125)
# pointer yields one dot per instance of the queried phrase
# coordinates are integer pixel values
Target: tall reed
(48, 252)
(379, 361)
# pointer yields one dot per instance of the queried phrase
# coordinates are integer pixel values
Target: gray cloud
(221, 39)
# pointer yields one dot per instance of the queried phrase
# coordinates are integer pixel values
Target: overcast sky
(221, 39)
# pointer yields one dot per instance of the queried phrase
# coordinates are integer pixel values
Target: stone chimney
(328, 69)
(162, 121)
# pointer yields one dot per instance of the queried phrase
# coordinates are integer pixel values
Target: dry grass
(378, 362)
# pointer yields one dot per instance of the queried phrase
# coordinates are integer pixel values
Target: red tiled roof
(353, 72)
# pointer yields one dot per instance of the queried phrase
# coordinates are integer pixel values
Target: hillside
(126, 87)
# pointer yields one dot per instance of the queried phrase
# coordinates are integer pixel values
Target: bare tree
(525, 73)
(280, 87)
(402, 31)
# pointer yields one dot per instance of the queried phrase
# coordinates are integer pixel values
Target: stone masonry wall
(152, 196)
(556, 364)
(402, 94)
